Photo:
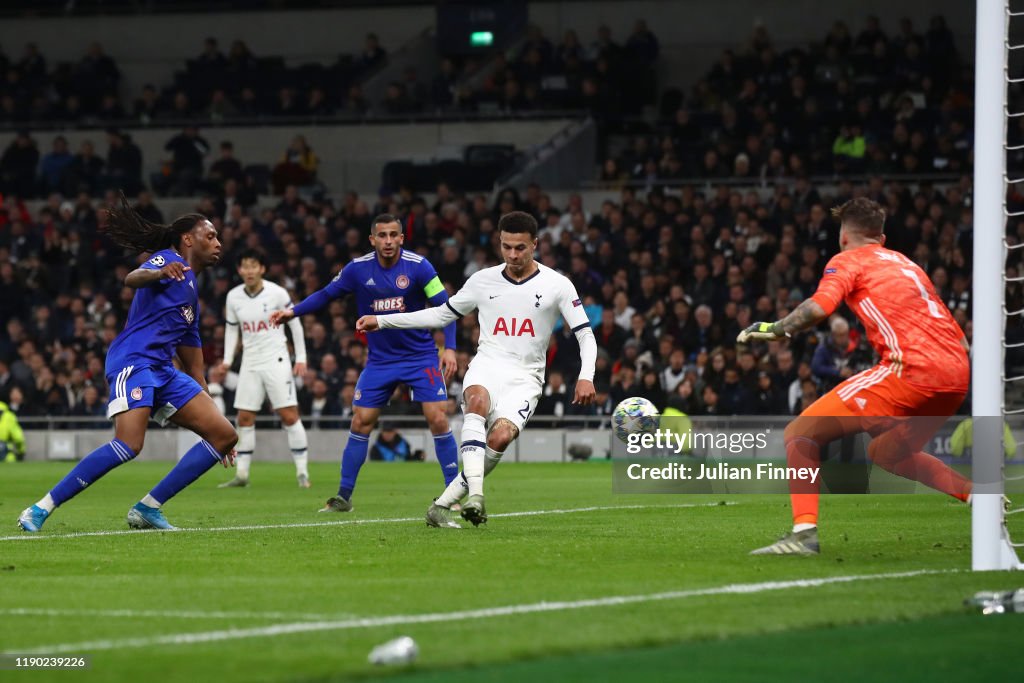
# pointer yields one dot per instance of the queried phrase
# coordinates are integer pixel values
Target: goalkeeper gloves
(762, 332)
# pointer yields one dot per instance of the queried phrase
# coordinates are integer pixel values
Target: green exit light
(481, 38)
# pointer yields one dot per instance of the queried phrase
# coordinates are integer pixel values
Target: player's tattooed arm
(807, 314)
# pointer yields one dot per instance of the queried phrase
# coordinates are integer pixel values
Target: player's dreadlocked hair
(131, 231)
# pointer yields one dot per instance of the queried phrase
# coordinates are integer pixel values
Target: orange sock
(803, 495)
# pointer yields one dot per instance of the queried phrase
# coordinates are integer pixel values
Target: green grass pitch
(300, 596)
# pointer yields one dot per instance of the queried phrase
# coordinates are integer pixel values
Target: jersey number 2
(933, 308)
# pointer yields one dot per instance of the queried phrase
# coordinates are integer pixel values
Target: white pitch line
(160, 614)
(342, 522)
(91, 646)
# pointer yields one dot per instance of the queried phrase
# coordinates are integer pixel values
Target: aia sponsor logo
(261, 326)
(392, 304)
(513, 327)
(188, 313)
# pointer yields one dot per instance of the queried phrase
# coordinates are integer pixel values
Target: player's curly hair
(130, 230)
(518, 221)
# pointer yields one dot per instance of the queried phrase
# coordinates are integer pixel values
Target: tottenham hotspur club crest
(537, 305)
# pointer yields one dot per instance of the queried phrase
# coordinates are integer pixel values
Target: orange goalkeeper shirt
(906, 322)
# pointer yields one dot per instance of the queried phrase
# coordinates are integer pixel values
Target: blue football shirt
(162, 317)
(405, 286)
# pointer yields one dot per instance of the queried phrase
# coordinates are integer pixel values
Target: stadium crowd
(670, 272)
(870, 103)
(668, 280)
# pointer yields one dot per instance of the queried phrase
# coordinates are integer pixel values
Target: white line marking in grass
(430, 618)
(343, 522)
(160, 614)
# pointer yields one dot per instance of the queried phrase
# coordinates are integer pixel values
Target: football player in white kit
(267, 371)
(518, 304)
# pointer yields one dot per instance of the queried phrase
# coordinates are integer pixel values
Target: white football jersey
(262, 343)
(517, 318)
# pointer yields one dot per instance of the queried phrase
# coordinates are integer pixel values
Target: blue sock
(351, 461)
(90, 469)
(192, 465)
(447, 456)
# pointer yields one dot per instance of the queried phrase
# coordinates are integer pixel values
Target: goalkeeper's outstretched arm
(808, 314)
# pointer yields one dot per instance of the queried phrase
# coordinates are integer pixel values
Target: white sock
(474, 438)
(491, 460)
(797, 528)
(246, 445)
(151, 501)
(46, 502)
(455, 492)
(297, 443)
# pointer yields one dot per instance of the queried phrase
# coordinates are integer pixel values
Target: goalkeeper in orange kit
(923, 373)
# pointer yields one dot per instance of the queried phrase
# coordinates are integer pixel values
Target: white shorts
(514, 391)
(273, 380)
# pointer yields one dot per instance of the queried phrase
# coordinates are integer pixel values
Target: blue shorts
(378, 381)
(164, 389)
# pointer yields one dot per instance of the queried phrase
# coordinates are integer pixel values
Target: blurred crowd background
(714, 211)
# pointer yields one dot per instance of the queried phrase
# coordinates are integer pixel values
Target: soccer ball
(634, 415)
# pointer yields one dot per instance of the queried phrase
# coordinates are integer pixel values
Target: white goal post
(990, 544)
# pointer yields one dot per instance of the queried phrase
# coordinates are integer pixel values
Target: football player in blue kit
(163, 321)
(390, 280)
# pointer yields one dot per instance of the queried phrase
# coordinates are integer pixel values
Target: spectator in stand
(18, 166)
(211, 58)
(555, 399)
(371, 56)
(85, 173)
(93, 406)
(124, 163)
(831, 363)
(225, 168)
(95, 75)
(188, 150)
(147, 209)
(391, 446)
(54, 165)
(298, 166)
(148, 105)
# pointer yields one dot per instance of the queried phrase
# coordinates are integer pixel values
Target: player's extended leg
(824, 421)
(502, 433)
(129, 436)
(472, 450)
(297, 443)
(444, 443)
(218, 439)
(364, 419)
(898, 450)
(246, 446)
(476, 406)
